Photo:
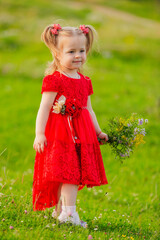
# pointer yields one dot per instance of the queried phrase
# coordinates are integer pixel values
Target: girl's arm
(99, 133)
(41, 120)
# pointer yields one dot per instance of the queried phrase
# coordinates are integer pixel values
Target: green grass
(124, 68)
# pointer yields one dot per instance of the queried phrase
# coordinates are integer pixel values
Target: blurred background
(124, 66)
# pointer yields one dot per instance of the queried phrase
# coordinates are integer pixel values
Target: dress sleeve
(90, 87)
(50, 84)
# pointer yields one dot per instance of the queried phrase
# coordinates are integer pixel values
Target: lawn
(125, 73)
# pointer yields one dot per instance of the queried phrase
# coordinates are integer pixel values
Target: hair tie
(84, 29)
(55, 28)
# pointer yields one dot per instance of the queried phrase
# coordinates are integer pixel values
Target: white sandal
(74, 219)
(63, 217)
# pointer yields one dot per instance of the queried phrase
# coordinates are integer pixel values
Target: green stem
(110, 140)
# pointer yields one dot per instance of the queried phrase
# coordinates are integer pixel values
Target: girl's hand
(103, 136)
(39, 142)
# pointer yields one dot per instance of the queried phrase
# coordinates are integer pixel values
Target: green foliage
(124, 68)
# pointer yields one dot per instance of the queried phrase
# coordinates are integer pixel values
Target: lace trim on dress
(62, 164)
(50, 83)
(90, 87)
(53, 83)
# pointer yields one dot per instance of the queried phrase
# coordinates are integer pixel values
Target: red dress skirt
(72, 154)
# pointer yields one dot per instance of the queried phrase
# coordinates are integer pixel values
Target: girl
(68, 155)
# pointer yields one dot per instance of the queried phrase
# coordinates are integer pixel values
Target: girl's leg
(69, 194)
(58, 206)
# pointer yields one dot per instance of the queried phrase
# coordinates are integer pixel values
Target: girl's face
(72, 52)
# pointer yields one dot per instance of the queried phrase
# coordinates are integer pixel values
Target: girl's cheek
(84, 58)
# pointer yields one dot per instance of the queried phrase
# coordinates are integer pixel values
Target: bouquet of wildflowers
(125, 134)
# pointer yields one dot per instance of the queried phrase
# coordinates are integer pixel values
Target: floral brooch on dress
(67, 106)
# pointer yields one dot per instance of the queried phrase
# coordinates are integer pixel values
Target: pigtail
(50, 41)
(90, 37)
(48, 38)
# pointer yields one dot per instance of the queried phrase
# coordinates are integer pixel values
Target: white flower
(57, 108)
(58, 105)
(48, 225)
(96, 228)
(135, 129)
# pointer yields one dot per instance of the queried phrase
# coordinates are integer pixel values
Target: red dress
(69, 157)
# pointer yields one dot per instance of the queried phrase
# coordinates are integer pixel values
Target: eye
(71, 51)
(82, 50)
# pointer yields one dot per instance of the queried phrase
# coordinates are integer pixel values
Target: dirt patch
(144, 26)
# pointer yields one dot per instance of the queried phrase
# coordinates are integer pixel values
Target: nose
(77, 55)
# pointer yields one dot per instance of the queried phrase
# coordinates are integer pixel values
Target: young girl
(68, 155)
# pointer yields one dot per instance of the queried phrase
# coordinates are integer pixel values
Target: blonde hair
(51, 41)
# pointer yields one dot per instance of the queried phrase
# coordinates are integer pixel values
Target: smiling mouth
(77, 61)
